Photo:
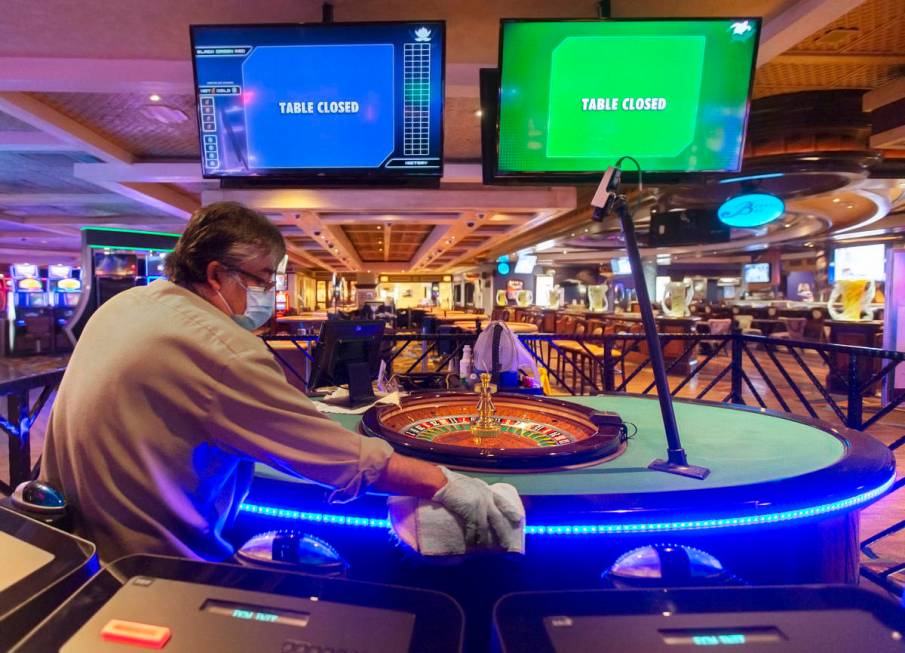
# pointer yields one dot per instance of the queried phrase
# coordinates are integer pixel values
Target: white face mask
(259, 307)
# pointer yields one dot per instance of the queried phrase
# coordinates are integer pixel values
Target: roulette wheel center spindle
(486, 428)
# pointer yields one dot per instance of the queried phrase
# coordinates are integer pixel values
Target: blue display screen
(334, 100)
(740, 637)
(259, 614)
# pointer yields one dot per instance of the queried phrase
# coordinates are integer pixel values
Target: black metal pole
(677, 461)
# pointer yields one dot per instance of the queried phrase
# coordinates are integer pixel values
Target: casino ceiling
(82, 142)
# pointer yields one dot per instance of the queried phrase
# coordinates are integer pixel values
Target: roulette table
(779, 506)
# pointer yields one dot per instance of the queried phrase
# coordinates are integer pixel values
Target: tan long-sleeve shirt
(164, 408)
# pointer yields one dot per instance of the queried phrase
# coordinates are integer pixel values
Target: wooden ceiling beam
(50, 121)
(800, 20)
(34, 141)
(379, 200)
(57, 199)
(27, 109)
(841, 59)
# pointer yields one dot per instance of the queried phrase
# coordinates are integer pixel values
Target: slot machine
(115, 260)
(29, 313)
(154, 267)
(66, 290)
(114, 272)
(282, 295)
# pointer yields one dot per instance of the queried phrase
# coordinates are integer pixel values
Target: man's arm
(410, 477)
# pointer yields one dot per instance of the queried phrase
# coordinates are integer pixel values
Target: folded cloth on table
(433, 530)
(332, 403)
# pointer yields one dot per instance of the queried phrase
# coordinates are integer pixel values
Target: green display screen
(577, 95)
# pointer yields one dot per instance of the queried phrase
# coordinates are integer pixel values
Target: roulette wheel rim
(601, 444)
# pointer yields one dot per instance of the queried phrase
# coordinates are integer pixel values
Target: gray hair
(227, 232)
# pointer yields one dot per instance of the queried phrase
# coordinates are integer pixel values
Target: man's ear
(215, 274)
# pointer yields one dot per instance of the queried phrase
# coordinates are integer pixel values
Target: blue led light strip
(600, 529)
(770, 175)
(323, 518)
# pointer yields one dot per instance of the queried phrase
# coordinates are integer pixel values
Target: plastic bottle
(466, 363)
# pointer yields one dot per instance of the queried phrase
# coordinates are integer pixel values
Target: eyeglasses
(266, 284)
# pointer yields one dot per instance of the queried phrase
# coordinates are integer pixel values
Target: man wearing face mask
(169, 399)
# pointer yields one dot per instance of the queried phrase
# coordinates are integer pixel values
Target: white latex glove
(488, 516)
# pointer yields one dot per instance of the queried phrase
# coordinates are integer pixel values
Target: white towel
(432, 530)
(340, 395)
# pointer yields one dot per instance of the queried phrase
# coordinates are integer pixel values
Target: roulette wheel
(514, 432)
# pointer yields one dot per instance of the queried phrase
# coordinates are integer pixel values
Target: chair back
(537, 319)
(720, 327)
(596, 328)
(565, 324)
(813, 329)
(795, 326)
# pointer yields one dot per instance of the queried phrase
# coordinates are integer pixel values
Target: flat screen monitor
(525, 264)
(756, 272)
(621, 265)
(342, 343)
(115, 265)
(22, 270)
(59, 271)
(860, 262)
(576, 95)
(154, 264)
(353, 101)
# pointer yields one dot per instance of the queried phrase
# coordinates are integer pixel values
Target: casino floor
(672, 240)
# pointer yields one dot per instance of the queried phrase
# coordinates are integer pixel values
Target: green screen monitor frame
(675, 123)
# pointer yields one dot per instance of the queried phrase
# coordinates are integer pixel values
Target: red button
(130, 632)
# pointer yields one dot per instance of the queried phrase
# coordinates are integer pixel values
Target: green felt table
(740, 447)
(778, 506)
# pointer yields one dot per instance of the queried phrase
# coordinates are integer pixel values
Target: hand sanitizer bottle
(465, 363)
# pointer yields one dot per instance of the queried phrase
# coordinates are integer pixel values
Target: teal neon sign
(751, 210)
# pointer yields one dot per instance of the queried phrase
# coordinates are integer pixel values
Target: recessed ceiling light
(836, 200)
(479, 113)
(153, 97)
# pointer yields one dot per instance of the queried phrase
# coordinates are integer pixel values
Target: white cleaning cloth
(432, 530)
(333, 403)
